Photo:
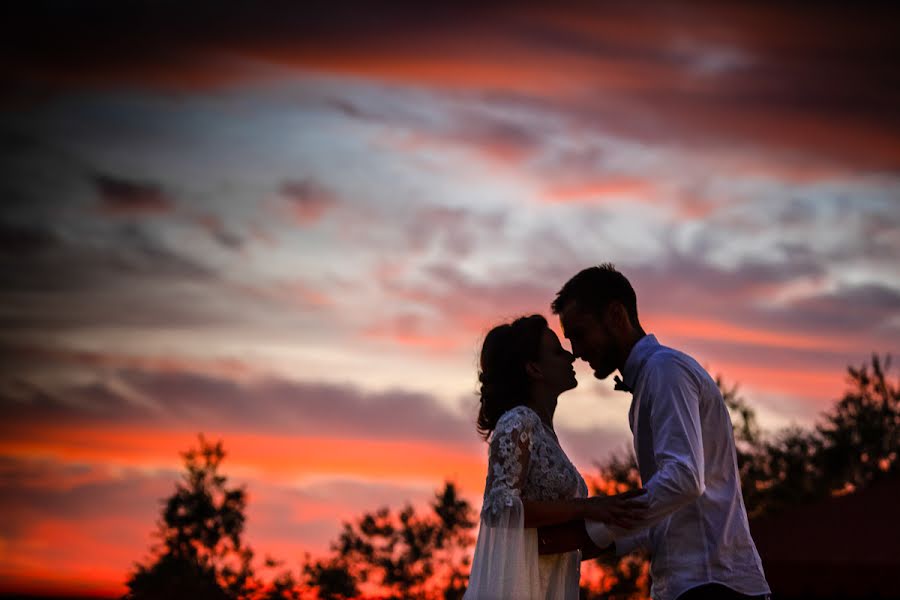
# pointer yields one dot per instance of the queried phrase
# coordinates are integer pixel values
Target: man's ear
(532, 370)
(618, 316)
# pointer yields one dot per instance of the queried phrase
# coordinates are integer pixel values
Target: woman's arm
(566, 537)
(621, 510)
(540, 513)
(555, 539)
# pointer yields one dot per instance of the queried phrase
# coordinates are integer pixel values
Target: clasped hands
(620, 510)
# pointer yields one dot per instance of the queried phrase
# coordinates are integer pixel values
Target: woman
(531, 483)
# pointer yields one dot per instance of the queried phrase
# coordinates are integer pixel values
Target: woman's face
(555, 364)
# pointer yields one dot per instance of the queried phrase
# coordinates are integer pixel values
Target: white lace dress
(525, 462)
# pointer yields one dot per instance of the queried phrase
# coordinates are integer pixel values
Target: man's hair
(594, 288)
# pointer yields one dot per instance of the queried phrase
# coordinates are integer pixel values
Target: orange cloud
(604, 190)
(72, 558)
(821, 384)
(687, 327)
(810, 385)
(274, 456)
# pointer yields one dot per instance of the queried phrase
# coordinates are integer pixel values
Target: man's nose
(576, 351)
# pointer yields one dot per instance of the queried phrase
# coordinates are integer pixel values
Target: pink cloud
(308, 200)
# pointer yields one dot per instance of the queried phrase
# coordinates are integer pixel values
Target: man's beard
(606, 363)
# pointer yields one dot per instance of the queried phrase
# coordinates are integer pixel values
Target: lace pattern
(525, 462)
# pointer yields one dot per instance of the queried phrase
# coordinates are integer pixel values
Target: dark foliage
(400, 555)
(201, 553)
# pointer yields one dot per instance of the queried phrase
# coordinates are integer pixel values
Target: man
(696, 526)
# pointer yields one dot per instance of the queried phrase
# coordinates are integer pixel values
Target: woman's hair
(507, 349)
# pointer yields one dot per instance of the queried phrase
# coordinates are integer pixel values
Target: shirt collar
(639, 354)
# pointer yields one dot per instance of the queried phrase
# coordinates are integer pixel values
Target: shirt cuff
(629, 543)
(599, 533)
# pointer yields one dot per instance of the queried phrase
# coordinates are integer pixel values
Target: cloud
(704, 77)
(604, 189)
(308, 200)
(123, 198)
(22, 240)
(850, 308)
(773, 324)
(262, 404)
(52, 261)
(219, 232)
(125, 276)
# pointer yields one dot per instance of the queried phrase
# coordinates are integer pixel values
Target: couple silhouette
(538, 522)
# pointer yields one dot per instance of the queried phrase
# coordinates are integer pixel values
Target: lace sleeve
(510, 454)
(505, 563)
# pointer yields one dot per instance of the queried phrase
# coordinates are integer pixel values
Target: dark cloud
(60, 263)
(214, 402)
(126, 275)
(124, 198)
(23, 240)
(224, 234)
(188, 399)
(849, 309)
(74, 491)
(683, 281)
(770, 76)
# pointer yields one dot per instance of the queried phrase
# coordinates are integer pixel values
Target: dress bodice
(526, 461)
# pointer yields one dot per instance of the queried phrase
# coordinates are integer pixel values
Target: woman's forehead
(549, 338)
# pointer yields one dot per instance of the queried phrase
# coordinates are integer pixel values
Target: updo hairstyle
(505, 384)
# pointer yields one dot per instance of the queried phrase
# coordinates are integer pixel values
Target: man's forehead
(571, 316)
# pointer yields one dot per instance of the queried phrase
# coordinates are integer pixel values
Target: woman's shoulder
(518, 417)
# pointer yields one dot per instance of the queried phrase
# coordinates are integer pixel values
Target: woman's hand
(622, 510)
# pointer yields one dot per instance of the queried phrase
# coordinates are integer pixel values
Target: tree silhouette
(201, 554)
(861, 435)
(855, 444)
(400, 555)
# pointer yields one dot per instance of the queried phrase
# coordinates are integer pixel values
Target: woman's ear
(532, 370)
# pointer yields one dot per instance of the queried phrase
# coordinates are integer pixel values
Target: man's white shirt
(696, 527)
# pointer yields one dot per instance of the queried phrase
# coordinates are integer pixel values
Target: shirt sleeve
(629, 543)
(672, 397)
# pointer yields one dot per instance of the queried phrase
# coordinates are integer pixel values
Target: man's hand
(622, 510)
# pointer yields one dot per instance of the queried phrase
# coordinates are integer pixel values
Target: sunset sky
(289, 228)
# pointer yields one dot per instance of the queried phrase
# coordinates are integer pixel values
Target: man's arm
(672, 396)
(677, 440)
